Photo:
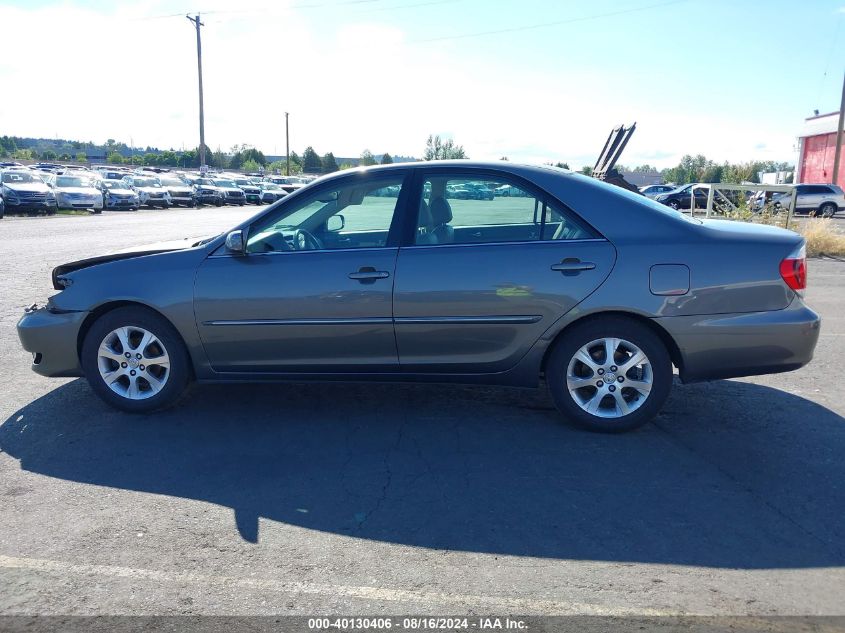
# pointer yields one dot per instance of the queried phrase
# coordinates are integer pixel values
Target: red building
(817, 149)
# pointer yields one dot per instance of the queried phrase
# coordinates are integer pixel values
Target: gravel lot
(301, 499)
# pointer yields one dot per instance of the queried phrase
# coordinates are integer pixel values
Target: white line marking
(491, 603)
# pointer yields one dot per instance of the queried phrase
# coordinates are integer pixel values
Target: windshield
(19, 177)
(224, 183)
(172, 182)
(147, 182)
(73, 181)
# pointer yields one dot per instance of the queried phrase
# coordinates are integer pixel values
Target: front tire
(135, 360)
(827, 210)
(609, 374)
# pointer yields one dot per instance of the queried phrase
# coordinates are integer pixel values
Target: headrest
(441, 211)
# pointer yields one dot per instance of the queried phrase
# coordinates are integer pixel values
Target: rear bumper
(51, 338)
(748, 344)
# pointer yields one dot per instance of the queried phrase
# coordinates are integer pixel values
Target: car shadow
(731, 474)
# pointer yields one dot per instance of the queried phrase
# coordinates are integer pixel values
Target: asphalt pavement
(393, 499)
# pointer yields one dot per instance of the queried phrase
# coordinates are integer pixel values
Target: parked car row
(45, 188)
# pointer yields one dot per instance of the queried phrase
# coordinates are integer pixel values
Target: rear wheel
(609, 374)
(827, 210)
(135, 360)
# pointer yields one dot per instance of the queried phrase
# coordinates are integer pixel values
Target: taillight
(793, 269)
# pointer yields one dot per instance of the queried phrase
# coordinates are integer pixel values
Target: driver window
(355, 215)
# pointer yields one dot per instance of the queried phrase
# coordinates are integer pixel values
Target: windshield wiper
(206, 240)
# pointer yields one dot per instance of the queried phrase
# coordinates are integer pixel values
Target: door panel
(298, 311)
(479, 308)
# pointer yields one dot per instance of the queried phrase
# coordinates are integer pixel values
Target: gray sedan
(597, 291)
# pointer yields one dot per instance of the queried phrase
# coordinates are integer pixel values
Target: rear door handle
(573, 265)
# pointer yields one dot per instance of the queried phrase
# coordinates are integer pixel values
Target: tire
(136, 320)
(565, 369)
(675, 204)
(218, 203)
(827, 210)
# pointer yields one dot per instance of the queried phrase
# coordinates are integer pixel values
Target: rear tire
(578, 368)
(164, 360)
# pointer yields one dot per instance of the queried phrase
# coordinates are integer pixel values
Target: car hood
(126, 253)
(152, 189)
(122, 192)
(89, 191)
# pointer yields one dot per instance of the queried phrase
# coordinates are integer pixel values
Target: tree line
(249, 159)
(701, 169)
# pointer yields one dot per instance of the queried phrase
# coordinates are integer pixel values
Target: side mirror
(235, 242)
(335, 223)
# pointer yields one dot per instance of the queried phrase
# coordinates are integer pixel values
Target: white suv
(823, 200)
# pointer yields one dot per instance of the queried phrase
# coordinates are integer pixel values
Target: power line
(530, 27)
(830, 56)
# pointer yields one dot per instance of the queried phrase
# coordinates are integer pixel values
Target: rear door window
(463, 209)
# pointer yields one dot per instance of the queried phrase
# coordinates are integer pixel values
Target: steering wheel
(305, 241)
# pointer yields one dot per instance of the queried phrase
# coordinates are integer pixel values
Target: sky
(533, 80)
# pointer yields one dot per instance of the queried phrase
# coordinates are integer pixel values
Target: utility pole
(838, 154)
(197, 24)
(287, 146)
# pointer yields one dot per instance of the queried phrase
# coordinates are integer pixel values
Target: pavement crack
(388, 479)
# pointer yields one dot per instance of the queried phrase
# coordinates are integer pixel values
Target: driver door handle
(368, 274)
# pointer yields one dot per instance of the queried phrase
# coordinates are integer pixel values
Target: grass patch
(73, 212)
(822, 238)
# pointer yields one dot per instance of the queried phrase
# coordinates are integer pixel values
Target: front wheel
(135, 360)
(675, 205)
(827, 210)
(609, 374)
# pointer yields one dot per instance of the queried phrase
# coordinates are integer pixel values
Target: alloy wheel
(133, 362)
(609, 377)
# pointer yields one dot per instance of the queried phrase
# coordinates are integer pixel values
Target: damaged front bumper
(52, 339)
